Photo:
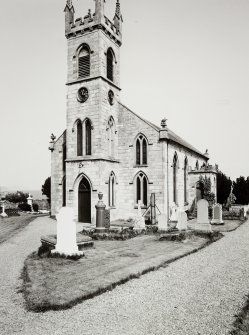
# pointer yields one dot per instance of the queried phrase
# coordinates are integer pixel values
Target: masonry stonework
(115, 126)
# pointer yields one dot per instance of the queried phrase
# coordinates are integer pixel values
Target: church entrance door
(84, 201)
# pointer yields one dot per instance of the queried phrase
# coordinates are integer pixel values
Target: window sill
(140, 166)
(142, 207)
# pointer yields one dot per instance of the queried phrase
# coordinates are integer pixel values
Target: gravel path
(199, 294)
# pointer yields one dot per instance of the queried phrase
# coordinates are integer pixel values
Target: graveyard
(70, 268)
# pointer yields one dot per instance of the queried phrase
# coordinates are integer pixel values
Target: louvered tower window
(109, 65)
(84, 63)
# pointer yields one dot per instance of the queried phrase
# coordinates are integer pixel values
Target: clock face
(83, 94)
(111, 97)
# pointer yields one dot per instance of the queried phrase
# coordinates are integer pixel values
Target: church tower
(93, 81)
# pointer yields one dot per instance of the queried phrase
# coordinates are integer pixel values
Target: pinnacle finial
(69, 3)
(118, 12)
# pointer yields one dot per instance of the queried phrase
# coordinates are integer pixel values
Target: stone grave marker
(139, 220)
(173, 216)
(217, 215)
(66, 233)
(182, 220)
(203, 223)
(162, 222)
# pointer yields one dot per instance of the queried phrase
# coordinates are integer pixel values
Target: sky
(186, 60)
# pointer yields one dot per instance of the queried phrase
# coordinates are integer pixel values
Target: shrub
(24, 207)
(17, 197)
(35, 207)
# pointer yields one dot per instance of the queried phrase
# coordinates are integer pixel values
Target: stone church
(108, 148)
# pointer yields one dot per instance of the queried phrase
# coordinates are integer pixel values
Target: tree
(17, 197)
(223, 188)
(241, 190)
(207, 194)
(46, 189)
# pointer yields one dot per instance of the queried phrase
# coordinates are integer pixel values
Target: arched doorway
(199, 190)
(84, 201)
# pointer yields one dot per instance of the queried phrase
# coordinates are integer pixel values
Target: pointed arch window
(185, 180)
(110, 64)
(111, 190)
(84, 62)
(175, 168)
(141, 151)
(88, 137)
(142, 189)
(64, 192)
(79, 139)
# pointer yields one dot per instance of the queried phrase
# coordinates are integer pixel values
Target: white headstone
(182, 221)
(139, 220)
(173, 216)
(162, 222)
(3, 214)
(66, 233)
(217, 214)
(203, 223)
(30, 201)
(202, 211)
(246, 209)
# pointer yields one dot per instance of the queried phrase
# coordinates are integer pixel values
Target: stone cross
(217, 214)
(66, 233)
(139, 220)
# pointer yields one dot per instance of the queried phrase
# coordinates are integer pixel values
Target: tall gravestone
(217, 215)
(182, 220)
(173, 216)
(100, 215)
(203, 223)
(66, 233)
(162, 222)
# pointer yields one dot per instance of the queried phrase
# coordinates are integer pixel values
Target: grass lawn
(229, 225)
(55, 283)
(241, 325)
(12, 225)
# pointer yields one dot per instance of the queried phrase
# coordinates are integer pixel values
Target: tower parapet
(93, 22)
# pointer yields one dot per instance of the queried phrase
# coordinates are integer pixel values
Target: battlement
(95, 21)
(206, 169)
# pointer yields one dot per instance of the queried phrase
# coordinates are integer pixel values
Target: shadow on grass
(45, 279)
(241, 324)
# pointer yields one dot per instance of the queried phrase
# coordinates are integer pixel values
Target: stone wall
(57, 174)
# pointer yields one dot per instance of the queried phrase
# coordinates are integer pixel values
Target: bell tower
(93, 77)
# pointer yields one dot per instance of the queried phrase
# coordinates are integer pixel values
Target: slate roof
(172, 136)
